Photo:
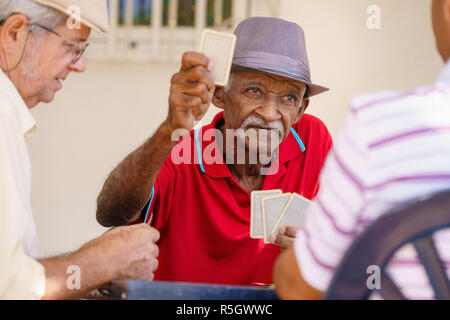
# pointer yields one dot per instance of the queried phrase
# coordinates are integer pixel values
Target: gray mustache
(258, 122)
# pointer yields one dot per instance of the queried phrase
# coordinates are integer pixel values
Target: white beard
(29, 63)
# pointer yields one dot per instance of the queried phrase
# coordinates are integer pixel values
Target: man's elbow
(109, 215)
(102, 217)
(105, 216)
(103, 213)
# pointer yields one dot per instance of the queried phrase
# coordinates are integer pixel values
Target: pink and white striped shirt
(393, 148)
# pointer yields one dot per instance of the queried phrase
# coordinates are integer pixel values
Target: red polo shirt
(204, 217)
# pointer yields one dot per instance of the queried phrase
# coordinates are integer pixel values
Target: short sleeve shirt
(203, 214)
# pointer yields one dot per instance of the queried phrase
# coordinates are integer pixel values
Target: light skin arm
(288, 279)
(93, 275)
(119, 254)
(127, 189)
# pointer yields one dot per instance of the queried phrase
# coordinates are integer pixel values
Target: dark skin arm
(288, 280)
(127, 189)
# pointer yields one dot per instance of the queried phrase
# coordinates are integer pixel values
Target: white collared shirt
(394, 148)
(21, 277)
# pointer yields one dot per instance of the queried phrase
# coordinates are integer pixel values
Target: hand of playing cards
(271, 210)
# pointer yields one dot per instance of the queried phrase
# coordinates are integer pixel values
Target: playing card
(219, 48)
(256, 222)
(293, 214)
(272, 208)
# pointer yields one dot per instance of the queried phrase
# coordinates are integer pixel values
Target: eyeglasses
(77, 51)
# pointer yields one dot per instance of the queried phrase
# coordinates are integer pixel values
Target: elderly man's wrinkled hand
(191, 91)
(129, 252)
(285, 237)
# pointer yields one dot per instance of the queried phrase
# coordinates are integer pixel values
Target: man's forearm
(127, 189)
(118, 254)
(288, 280)
(64, 275)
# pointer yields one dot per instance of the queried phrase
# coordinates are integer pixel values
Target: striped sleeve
(332, 220)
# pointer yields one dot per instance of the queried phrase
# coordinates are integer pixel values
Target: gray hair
(230, 82)
(35, 12)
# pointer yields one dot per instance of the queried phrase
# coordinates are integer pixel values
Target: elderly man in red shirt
(202, 207)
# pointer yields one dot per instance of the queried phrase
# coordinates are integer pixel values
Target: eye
(70, 48)
(291, 99)
(253, 91)
(76, 50)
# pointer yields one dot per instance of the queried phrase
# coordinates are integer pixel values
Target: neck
(18, 83)
(248, 176)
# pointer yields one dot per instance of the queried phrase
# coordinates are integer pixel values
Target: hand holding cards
(219, 48)
(271, 210)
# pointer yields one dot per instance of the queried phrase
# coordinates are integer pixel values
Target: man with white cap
(202, 207)
(40, 45)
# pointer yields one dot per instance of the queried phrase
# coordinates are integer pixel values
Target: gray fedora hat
(274, 46)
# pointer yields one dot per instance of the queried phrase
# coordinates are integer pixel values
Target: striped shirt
(394, 148)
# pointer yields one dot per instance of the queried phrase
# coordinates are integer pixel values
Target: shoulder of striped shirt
(366, 101)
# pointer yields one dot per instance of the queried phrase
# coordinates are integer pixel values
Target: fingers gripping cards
(219, 48)
(272, 207)
(293, 214)
(270, 210)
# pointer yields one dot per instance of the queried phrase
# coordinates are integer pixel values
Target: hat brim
(94, 15)
(313, 89)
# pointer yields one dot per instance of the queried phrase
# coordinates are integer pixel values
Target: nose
(269, 110)
(79, 66)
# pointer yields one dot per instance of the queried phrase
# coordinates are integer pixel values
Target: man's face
(441, 26)
(266, 103)
(47, 63)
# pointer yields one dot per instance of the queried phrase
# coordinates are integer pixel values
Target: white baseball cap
(93, 13)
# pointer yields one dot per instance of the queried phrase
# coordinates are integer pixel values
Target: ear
(12, 35)
(301, 112)
(219, 97)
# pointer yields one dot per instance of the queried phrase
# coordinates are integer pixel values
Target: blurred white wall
(351, 59)
(102, 115)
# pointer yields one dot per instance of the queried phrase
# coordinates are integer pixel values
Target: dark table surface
(141, 290)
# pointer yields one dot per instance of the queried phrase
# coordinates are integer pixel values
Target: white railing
(158, 42)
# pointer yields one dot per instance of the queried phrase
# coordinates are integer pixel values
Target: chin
(47, 98)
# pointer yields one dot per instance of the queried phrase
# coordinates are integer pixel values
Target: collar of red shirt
(289, 149)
